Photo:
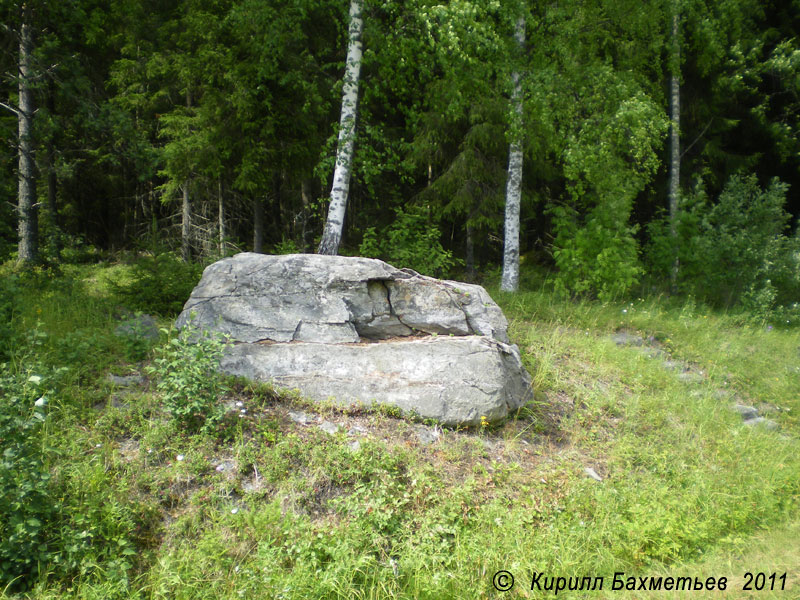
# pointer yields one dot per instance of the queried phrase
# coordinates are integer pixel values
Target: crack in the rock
(460, 306)
(392, 312)
(296, 330)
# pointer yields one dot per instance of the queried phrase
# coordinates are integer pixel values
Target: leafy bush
(599, 258)
(286, 246)
(189, 381)
(734, 251)
(27, 506)
(161, 284)
(9, 294)
(411, 241)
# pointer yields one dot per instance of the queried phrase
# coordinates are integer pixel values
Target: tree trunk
(305, 197)
(221, 206)
(258, 224)
(186, 221)
(186, 224)
(675, 147)
(510, 280)
(28, 226)
(470, 254)
(277, 207)
(332, 235)
(52, 180)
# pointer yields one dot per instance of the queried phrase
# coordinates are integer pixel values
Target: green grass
(298, 513)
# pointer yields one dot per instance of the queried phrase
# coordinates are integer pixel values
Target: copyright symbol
(503, 581)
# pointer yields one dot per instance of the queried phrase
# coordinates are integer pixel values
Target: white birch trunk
(186, 224)
(510, 280)
(28, 226)
(221, 218)
(332, 235)
(675, 147)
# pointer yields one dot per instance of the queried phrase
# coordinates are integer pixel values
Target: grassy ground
(271, 508)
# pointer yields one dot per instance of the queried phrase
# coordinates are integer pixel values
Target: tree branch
(11, 108)
(697, 139)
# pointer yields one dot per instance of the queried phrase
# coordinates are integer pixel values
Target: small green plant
(9, 299)
(27, 506)
(286, 247)
(189, 381)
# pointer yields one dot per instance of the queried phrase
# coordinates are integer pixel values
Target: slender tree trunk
(186, 224)
(277, 206)
(332, 235)
(28, 211)
(258, 224)
(52, 180)
(510, 280)
(470, 254)
(221, 217)
(186, 221)
(675, 146)
(305, 197)
(52, 201)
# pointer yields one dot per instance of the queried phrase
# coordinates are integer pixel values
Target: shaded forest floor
(633, 457)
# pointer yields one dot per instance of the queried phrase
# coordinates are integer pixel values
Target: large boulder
(357, 330)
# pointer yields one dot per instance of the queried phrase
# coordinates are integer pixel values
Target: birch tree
(510, 280)
(675, 142)
(332, 235)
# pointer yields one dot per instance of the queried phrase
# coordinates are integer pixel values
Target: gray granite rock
(748, 413)
(329, 428)
(623, 338)
(334, 299)
(124, 380)
(761, 421)
(357, 330)
(455, 380)
(426, 435)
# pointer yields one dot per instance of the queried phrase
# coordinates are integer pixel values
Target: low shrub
(160, 284)
(734, 251)
(411, 241)
(188, 379)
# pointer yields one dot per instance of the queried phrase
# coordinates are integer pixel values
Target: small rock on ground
(225, 466)
(124, 380)
(691, 377)
(300, 417)
(593, 474)
(767, 423)
(623, 338)
(748, 413)
(426, 435)
(329, 428)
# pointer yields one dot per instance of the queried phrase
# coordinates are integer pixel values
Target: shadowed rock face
(359, 330)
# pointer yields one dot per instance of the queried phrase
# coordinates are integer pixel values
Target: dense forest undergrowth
(109, 493)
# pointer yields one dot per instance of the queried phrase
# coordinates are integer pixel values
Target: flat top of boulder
(334, 299)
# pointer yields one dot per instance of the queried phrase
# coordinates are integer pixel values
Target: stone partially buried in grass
(357, 331)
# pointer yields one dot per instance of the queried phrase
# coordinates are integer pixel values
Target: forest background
(659, 141)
